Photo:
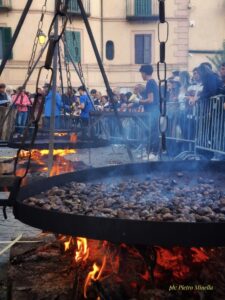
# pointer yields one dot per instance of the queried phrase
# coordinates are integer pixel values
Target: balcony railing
(5, 5)
(75, 10)
(142, 10)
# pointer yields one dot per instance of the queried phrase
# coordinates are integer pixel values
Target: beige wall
(207, 33)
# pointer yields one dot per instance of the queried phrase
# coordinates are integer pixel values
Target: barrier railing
(210, 131)
(197, 127)
(136, 126)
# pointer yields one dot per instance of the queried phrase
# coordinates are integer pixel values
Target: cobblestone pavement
(10, 229)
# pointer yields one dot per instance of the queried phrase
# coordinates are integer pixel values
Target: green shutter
(0, 2)
(74, 44)
(143, 8)
(73, 6)
(6, 39)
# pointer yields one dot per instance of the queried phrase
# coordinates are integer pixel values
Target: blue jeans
(47, 122)
(22, 120)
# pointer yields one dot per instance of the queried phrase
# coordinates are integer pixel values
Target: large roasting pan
(122, 230)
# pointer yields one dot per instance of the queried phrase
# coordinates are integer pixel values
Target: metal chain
(68, 75)
(78, 59)
(35, 118)
(60, 67)
(163, 25)
(67, 66)
(39, 30)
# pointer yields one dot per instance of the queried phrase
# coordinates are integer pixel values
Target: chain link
(78, 58)
(163, 36)
(35, 116)
(36, 39)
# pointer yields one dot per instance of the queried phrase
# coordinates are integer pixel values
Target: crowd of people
(183, 92)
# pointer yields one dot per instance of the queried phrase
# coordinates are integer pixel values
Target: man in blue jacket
(86, 107)
(48, 107)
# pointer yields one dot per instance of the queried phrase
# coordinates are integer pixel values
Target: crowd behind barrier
(195, 110)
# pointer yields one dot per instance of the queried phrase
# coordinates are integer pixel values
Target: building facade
(126, 35)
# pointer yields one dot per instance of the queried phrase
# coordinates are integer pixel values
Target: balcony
(142, 10)
(74, 10)
(5, 5)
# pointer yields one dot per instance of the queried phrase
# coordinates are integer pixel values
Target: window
(110, 51)
(143, 47)
(73, 40)
(143, 8)
(73, 6)
(5, 38)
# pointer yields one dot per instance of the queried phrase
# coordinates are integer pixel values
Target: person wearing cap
(48, 107)
(150, 102)
(4, 101)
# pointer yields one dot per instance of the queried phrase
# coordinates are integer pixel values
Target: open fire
(40, 160)
(107, 269)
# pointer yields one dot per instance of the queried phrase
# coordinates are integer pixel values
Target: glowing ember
(199, 255)
(73, 138)
(60, 134)
(175, 261)
(94, 275)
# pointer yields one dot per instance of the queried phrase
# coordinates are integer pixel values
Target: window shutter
(77, 46)
(147, 49)
(73, 40)
(67, 36)
(6, 39)
(143, 46)
(143, 8)
(73, 6)
(139, 41)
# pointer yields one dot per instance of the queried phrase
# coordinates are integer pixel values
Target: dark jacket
(211, 86)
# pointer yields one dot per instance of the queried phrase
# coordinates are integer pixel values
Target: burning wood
(179, 199)
(45, 271)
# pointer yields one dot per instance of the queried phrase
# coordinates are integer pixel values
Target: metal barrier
(198, 127)
(210, 132)
(137, 126)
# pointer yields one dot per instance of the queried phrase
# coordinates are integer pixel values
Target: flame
(73, 138)
(82, 252)
(60, 164)
(94, 275)
(67, 244)
(38, 153)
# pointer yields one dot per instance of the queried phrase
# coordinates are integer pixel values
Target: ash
(181, 198)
